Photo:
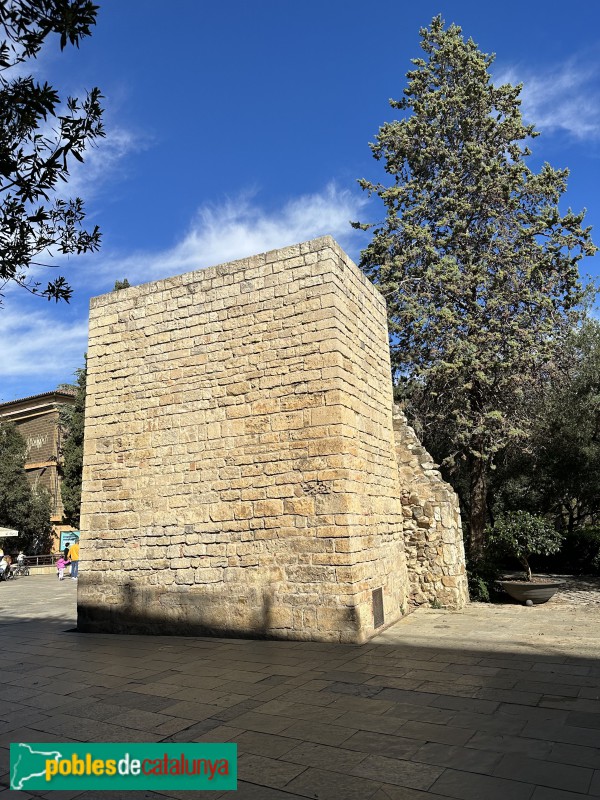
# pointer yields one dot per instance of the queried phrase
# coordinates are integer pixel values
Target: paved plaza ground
(488, 703)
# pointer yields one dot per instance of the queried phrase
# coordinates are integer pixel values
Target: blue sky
(238, 127)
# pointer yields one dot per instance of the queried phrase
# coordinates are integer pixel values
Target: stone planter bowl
(538, 592)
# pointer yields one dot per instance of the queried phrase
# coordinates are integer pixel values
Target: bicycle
(20, 570)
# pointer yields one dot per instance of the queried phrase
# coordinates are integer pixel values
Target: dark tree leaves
(559, 473)
(38, 139)
(72, 420)
(22, 507)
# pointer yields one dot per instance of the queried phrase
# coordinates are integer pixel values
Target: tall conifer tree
(478, 265)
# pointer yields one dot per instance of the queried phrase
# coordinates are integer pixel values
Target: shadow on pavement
(490, 702)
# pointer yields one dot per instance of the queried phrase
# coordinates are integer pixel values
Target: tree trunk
(477, 507)
(527, 568)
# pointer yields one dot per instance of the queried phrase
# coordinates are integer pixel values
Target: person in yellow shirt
(74, 559)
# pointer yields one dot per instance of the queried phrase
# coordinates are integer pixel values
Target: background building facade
(37, 419)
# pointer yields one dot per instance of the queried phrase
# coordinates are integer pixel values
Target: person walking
(73, 556)
(60, 567)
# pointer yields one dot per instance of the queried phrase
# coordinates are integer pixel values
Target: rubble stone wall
(432, 526)
(240, 474)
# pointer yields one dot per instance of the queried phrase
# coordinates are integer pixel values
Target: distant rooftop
(56, 393)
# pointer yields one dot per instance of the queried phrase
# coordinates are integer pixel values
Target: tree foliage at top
(477, 264)
(22, 507)
(38, 138)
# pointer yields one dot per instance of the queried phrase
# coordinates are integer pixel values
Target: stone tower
(240, 468)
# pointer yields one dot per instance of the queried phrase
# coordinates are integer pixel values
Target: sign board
(6, 532)
(68, 537)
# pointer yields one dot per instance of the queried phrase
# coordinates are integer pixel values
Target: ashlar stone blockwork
(240, 468)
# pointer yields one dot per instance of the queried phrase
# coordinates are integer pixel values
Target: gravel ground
(579, 590)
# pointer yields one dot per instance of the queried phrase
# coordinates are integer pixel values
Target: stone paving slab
(489, 702)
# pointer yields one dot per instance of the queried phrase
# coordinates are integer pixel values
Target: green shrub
(482, 577)
(522, 535)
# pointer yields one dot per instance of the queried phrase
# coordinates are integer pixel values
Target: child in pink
(60, 566)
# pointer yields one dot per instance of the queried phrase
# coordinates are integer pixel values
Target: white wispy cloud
(240, 227)
(106, 157)
(564, 98)
(38, 343)
(102, 162)
(43, 347)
